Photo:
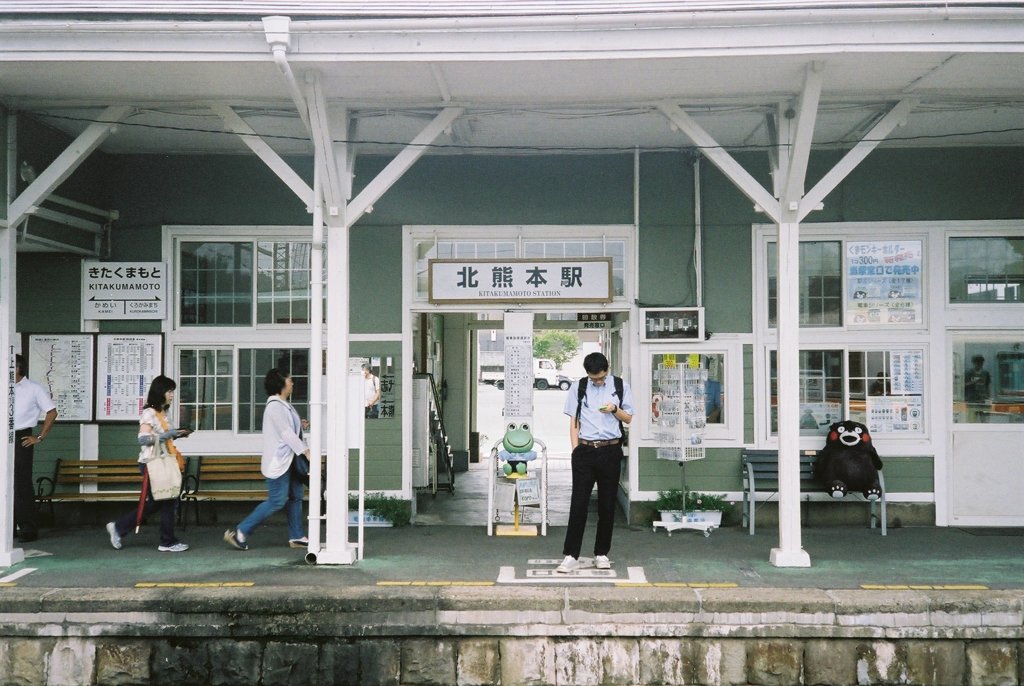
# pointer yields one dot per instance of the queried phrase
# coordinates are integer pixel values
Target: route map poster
(62, 363)
(125, 366)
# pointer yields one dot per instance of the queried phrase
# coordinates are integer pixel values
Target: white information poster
(62, 363)
(906, 371)
(892, 414)
(883, 283)
(125, 366)
(518, 366)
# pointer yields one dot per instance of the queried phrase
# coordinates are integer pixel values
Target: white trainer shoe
(115, 538)
(602, 562)
(569, 564)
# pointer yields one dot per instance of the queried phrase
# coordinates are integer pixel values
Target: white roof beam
(335, 193)
(894, 118)
(746, 183)
(265, 153)
(800, 152)
(398, 166)
(66, 163)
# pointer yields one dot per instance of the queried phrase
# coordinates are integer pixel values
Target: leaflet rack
(679, 428)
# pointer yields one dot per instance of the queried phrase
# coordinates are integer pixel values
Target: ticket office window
(880, 388)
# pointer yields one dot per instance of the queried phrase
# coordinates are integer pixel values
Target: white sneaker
(115, 539)
(569, 564)
(178, 547)
(602, 562)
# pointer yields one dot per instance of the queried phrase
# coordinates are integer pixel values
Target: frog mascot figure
(517, 450)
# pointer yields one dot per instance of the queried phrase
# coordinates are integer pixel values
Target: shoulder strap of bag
(582, 391)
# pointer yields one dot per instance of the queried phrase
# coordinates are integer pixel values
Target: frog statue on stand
(517, 450)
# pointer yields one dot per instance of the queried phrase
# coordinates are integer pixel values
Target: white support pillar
(790, 552)
(337, 548)
(66, 163)
(9, 555)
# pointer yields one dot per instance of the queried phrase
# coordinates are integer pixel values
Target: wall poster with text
(883, 283)
(125, 366)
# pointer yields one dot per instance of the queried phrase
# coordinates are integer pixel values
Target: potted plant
(671, 504)
(380, 510)
(705, 507)
(676, 505)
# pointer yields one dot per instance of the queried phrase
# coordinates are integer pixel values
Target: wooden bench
(227, 478)
(122, 474)
(761, 475)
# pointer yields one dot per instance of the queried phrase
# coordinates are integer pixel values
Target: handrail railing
(440, 439)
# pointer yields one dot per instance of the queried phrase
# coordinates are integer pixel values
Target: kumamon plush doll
(849, 462)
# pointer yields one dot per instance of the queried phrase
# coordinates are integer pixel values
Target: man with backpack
(598, 406)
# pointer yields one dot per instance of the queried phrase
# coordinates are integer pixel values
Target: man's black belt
(600, 444)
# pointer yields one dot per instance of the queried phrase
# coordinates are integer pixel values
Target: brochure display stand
(679, 429)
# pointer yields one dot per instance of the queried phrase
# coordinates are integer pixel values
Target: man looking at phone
(598, 406)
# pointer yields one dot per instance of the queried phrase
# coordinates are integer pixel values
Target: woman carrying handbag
(161, 465)
(285, 465)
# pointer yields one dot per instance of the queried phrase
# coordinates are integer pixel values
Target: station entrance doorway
(465, 354)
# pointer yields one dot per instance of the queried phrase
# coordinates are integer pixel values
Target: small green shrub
(396, 511)
(675, 499)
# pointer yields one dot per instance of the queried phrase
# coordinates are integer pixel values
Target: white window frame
(236, 338)
(979, 314)
(728, 433)
(918, 336)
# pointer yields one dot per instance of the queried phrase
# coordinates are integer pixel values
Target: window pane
(204, 389)
(989, 270)
(216, 283)
(821, 391)
(988, 380)
(253, 365)
(282, 282)
(821, 284)
(713, 391)
(886, 390)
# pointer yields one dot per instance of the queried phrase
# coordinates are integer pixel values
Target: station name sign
(124, 290)
(585, 279)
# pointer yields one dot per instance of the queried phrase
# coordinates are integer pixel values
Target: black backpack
(582, 392)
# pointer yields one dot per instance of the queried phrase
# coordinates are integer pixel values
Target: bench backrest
(229, 468)
(763, 465)
(97, 472)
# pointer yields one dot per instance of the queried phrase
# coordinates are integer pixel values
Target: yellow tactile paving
(924, 587)
(195, 584)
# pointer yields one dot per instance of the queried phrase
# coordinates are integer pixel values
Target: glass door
(987, 405)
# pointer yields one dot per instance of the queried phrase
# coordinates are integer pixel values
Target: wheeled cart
(517, 504)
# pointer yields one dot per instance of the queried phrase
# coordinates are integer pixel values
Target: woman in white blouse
(282, 446)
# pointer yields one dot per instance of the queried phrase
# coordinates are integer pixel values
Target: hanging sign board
(124, 290)
(581, 279)
(518, 366)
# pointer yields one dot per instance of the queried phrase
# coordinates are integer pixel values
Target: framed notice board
(125, 366)
(63, 364)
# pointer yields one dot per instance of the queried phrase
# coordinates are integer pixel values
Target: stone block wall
(534, 637)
